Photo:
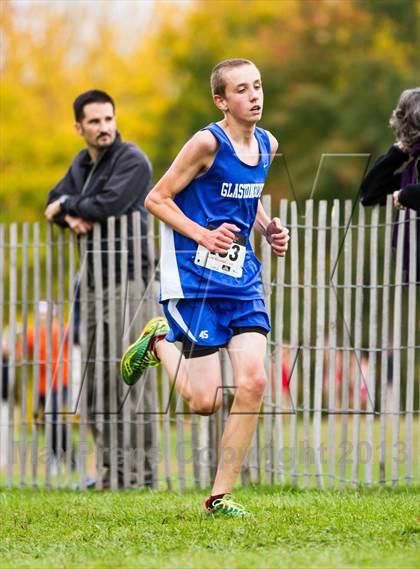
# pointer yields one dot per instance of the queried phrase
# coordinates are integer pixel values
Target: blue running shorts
(205, 325)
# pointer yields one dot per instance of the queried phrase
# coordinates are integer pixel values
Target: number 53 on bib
(230, 263)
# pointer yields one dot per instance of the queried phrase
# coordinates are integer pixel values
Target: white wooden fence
(342, 403)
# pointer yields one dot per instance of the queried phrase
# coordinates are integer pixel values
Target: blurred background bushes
(332, 73)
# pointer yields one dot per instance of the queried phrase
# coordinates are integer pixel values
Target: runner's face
(244, 96)
(98, 126)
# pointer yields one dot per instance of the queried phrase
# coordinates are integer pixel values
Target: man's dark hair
(92, 96)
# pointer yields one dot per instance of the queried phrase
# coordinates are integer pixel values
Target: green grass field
(289, 528)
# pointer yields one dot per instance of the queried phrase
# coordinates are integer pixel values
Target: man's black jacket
(384, 178)
(118, 185)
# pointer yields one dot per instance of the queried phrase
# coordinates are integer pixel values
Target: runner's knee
(206, 403)
(252, 385)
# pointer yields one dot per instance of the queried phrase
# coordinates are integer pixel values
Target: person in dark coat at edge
(387, 176)
(108, 178)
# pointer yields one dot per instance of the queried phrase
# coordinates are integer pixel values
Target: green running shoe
(138, 357)
(226, 507)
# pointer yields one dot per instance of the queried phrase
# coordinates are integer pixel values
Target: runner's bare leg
(246, 352)
(197, 380)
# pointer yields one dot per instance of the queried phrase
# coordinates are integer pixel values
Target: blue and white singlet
(228, 192)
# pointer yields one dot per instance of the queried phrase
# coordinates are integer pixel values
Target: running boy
(211, 288)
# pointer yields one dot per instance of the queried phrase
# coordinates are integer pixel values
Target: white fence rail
(342, 403)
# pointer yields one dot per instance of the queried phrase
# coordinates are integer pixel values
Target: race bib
(230, 263)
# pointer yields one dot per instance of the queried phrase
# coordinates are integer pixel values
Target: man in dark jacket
(108, 178)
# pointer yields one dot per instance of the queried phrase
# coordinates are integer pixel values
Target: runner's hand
(278, 237)
(219, 240)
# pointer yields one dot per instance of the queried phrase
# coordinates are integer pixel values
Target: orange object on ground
(58, 352)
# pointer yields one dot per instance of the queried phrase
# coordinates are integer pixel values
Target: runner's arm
(272, 229)
(262, 220)
(274, 145)
(276, 235)
(194, 159)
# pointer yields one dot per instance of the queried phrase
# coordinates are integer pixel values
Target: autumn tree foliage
(332, 73)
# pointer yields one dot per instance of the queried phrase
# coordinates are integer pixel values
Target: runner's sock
(154, 341)
(209, 502)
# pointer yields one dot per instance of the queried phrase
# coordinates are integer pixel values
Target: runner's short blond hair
(217, 79)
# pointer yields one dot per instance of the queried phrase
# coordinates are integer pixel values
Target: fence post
(332, 339)
(294, 337)
(347, 322)
(36, 355)
(124, 414)
(385, 341)
(358, 322)
(61, 365)
(112, 416)
(152, 401)
(279, 327)
(97, 410)
(320, 341)
(396, 375)
(13, 243)
(268, 395)
(85, 356)
(306, 325)
(137, 392)
(24, 356)
(411, 340)
(72, 369)
(48, 414)
(3, 406)
(373, 333)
